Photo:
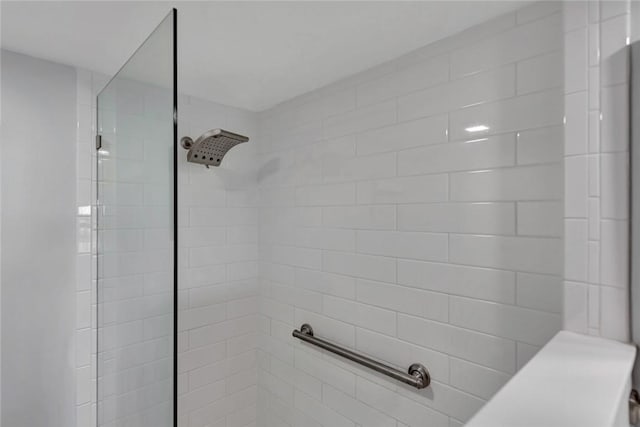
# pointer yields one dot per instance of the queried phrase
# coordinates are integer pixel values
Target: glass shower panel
(136, 234)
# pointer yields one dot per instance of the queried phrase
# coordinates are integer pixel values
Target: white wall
(218, 280)
(38, 242)
(87, 85)
(597, 168)
(218, 267)
(352, 214)
(392, 230)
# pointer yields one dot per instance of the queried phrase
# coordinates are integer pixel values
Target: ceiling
(252, 55)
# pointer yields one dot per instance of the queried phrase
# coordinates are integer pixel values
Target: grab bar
(417, 375)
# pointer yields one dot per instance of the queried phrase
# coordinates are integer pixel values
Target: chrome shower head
(210, 148)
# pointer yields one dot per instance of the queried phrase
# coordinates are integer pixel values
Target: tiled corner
(600, 258)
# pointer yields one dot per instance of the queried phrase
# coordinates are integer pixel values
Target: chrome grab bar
(417, 375)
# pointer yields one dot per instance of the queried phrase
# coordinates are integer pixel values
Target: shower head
(210, 147)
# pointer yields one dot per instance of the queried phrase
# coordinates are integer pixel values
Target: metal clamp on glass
(417, 375)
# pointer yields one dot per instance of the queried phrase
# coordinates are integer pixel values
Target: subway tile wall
(87, 84)
(218, 274)
(393, 229)
(133, 267)
(218, 268)
(366, 209)
(596, 168)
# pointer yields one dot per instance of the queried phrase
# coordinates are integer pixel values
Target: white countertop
(575, 380)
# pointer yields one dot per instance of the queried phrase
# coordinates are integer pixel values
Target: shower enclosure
(386, 250)
(136, 237)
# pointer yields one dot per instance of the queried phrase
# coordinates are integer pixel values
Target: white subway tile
(540, 292)
(84, 383)
(527, 254)
(412, 245)
(319, 411)
(476, 379)
(359, 168)
(576, 60)
(613, 35)
(359, 265)
(614, 253)
(575, 14)
(614, 67)
(484, 153)
(474, 282)
(401, 353)
(303, 381)
(281, 389)
(594, 89)
(487, 350)
(594, 132)
(329, 194)
(576, 249)
(470, 35)
(515, 44)
(614, 181)
(83, 312)
(276, 310)
(594, 178)
(614, 317)
(201, 236)
(537, 10)
(338, 239)
(575, 306)
(421, 75)
(540, 73)
(300, 298)
(593, 308)
(326, 283)
(362, 119)
(197, 358)
(85, 415)
(430, 305)
(201, 316)
(460, 405)
(519, 183)
(507, 321)
(575, 178)
(544, 145)
(326, 371)
(355, 409)
(400, 407)
(575, 130)
(543, 219)
(615, 118)
(522, 112)
(478, 88)
(362, 315)
(421, 189)
(360, 217)
(221, 331)
(609, 9)
(84, 338)
(416, 133)
(481, 218)
(210, 255)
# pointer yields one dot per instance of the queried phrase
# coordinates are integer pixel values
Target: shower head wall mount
(211, 147)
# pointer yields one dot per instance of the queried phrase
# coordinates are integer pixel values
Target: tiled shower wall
(352, 195)
(597, 168)
(218, 268)
(392, 227)
(218, 253)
